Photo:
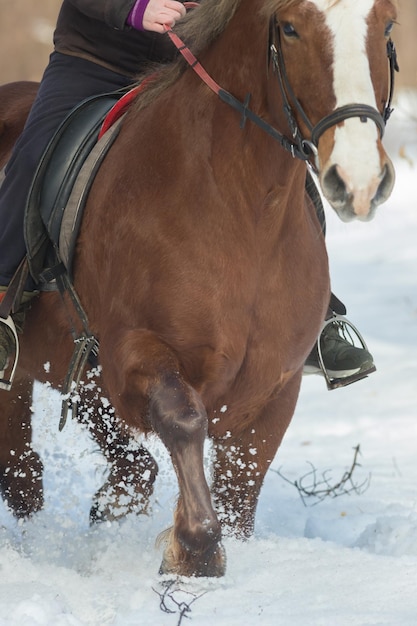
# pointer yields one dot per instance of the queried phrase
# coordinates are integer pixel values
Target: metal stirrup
(6, 383)
(335, 382)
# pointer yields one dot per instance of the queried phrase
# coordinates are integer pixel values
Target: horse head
(330, 57)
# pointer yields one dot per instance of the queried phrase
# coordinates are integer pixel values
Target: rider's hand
(154, 14)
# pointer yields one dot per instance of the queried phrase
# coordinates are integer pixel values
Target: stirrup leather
(348, 330)
(6, 382)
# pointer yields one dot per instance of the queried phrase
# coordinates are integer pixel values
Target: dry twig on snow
(174, 599)
(312, 486)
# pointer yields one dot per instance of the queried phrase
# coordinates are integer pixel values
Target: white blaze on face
(355, 150)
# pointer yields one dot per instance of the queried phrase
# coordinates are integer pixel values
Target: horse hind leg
(20, 466)
(129, 484)
(153, 386)
(131, 468)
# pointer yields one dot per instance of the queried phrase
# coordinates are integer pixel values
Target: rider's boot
(337, 355)
(9, 328)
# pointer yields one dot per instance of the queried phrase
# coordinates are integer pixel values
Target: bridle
(297, 145)
(241, 107)
(292, 104)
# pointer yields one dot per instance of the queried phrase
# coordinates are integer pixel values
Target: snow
(345, 561)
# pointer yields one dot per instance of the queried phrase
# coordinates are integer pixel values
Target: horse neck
(237, 58)
(237, 61)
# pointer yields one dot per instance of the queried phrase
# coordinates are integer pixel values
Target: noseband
(291, 102)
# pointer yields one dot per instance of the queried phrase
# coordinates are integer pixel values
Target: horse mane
(198, 29)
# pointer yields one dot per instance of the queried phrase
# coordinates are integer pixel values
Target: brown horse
(201, 262)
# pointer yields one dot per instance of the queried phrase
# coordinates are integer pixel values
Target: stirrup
(6, 383)
(336, 383)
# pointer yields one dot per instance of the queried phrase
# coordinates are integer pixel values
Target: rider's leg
(66, 82)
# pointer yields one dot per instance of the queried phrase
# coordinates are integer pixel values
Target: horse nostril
(386, 184)
(334, 187)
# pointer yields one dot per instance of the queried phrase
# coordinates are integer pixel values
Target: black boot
(336, 357)
(9, 329)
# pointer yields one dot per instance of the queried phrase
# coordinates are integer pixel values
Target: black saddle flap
(57, 172)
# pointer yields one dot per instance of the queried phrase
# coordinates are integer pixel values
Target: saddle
(54, 211)
(63, 179)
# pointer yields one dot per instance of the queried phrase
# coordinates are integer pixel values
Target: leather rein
(298, 146)
(228, 98)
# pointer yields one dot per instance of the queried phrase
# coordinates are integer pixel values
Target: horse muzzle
(356, 194)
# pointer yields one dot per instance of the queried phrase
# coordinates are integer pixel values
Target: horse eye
(388, 29)
(289, 30)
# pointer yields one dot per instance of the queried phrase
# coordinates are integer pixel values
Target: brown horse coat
(203, 270)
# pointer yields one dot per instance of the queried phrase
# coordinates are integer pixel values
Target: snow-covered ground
(346, 561)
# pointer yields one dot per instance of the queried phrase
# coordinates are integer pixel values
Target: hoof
(179, 561)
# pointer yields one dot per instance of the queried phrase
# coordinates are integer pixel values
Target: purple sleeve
(135, 17)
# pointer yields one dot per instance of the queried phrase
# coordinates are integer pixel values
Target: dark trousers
(67, 81)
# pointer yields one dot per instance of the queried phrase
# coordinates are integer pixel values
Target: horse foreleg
(180, 420)
(20, 466)
(172, 408)
(242, 460)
